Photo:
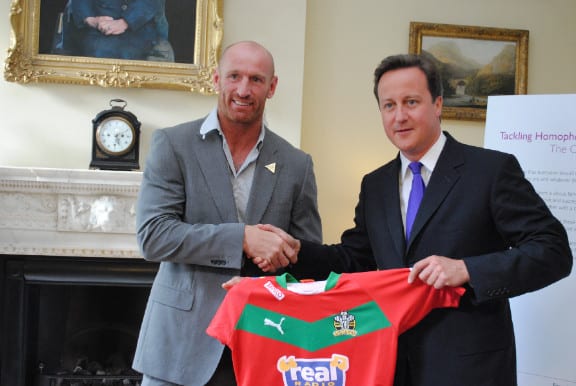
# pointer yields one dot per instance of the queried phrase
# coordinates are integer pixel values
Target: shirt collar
(211, 123)
(429, 159)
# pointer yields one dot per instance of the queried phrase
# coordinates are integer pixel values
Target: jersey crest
(345, 324)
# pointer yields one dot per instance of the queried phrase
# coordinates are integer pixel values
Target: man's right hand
(294, 243)
(269, 247)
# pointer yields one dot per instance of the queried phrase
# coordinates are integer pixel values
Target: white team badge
(345, 324)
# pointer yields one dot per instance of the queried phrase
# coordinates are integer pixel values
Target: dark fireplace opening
(72, 322)
(85, 330)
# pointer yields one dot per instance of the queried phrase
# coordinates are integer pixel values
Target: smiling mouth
(239, 103)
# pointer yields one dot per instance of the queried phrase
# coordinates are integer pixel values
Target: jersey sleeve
(403, 303)
(223, 323)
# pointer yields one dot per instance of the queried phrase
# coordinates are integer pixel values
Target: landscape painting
(473, 69)
(475, 62)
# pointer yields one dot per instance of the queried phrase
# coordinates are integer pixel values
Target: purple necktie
(416, 195)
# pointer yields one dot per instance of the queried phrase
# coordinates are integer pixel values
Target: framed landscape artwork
(182, 44)
(475, 62)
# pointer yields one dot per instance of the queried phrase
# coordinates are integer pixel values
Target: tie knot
(415, 167)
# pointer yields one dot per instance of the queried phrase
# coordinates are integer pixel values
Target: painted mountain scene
(473, 69)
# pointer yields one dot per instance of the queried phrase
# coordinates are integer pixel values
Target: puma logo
(278, 326)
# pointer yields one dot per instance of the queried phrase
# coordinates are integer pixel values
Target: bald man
(196, 213)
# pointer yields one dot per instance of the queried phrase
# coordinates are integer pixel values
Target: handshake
(269, 247)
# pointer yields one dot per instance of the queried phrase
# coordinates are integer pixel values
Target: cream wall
(345, 40)
(49, 125)
(326, 51)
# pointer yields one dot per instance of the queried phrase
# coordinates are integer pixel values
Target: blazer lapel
(443, 178)
(391, 189)
(216, 173)
(268, 167)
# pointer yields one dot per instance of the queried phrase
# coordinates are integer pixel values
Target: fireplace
(71, 319)
(72, 284)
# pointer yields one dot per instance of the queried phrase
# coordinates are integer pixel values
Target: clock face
(115, 135)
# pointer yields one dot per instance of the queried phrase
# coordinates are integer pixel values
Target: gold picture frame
(475, 62)
(28, 62)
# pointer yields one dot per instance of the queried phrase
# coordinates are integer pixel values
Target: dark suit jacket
(478, 207)
(186, 219)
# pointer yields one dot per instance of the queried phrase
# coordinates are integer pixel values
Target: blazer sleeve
(538, 253)
(161, 232)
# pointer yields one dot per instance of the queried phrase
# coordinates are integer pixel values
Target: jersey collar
(286, 278)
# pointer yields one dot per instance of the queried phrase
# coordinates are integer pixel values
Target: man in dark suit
(480, 224)
(204, 185)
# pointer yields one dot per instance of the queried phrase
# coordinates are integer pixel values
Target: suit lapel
(216, 173)
(443, 178)
(391, 189)
(268, 167)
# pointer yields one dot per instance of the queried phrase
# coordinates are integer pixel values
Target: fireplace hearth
(72, 321)
(73, 286)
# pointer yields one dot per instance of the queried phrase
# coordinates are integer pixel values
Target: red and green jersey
(338, 332)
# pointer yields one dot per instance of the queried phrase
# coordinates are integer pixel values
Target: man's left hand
(232, 282)
(440, 271)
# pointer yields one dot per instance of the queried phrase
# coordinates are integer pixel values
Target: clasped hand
(269, 247)
(107, 25)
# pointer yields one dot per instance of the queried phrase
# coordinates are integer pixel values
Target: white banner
(540, 130)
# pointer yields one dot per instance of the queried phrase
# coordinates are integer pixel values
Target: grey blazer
(187, 221)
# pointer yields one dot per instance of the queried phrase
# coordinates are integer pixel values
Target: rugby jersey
(342, 331)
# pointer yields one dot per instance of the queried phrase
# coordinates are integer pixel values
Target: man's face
(410, 117)
(244, 80)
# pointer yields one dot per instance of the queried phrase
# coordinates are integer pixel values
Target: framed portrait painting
(116, 43)
(475, 62)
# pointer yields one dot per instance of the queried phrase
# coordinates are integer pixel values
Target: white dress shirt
(428, 163)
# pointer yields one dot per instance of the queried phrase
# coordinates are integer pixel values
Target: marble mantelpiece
(68, 212)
